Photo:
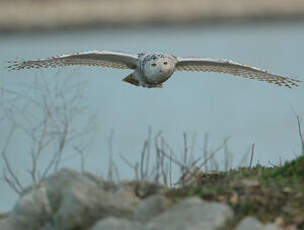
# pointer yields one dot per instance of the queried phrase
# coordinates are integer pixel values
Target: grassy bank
(272, 194)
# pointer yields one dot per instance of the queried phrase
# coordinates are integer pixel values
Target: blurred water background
(197, 103)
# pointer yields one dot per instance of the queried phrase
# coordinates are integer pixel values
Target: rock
(151, 207)
(70, 200)
(113, 223)
(251, 223)
(126, 194)
(192, 214)
(31, 212)
(78, 200)
(271, 227)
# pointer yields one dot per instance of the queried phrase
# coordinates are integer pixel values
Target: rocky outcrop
(151, 207)
(71, 200)
(113, 223)
(251, 223)
(68, 200)
(192, 214)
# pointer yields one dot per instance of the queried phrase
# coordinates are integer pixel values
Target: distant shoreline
(24, 15)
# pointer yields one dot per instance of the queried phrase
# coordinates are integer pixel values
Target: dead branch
(252, 154)
(46, 112)
(299, 121)
(9, 175)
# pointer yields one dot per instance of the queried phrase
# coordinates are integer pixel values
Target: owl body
(152, 69)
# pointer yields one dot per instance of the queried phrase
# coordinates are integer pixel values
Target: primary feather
(93, 58)
(233, 68)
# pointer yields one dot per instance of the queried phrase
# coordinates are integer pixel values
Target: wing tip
(289, 83)
(13, 65)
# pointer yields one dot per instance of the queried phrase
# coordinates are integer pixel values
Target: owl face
(158, 67)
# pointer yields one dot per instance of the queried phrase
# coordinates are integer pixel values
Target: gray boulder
(192, 214)
(31, 212)
(252, 223)
(113, 223)
(70, 200)
(151, 207)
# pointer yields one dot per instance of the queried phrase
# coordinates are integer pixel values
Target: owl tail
(130, 79)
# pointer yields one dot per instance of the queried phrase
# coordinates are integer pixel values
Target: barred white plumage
(152, 69)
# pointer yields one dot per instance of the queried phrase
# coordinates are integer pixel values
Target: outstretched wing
(234, 68)
(92, 58)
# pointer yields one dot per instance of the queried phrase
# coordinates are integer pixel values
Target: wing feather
(233, 68)
(92, 58)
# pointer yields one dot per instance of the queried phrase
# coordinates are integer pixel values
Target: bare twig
(9, 174)
(205, 150)
(112, 169)
(228, 157)
(185, 160)
(142, 161)
(45, 113)
(252, 154)
(212, 153)
(299, 121)
(149, 146)
(82, 157)
(244, 160)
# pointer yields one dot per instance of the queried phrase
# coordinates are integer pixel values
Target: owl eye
(153, 64)
(165, 63)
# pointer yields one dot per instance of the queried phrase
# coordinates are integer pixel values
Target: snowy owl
(152, 69)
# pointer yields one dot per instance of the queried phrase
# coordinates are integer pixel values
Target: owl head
(158, 65)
